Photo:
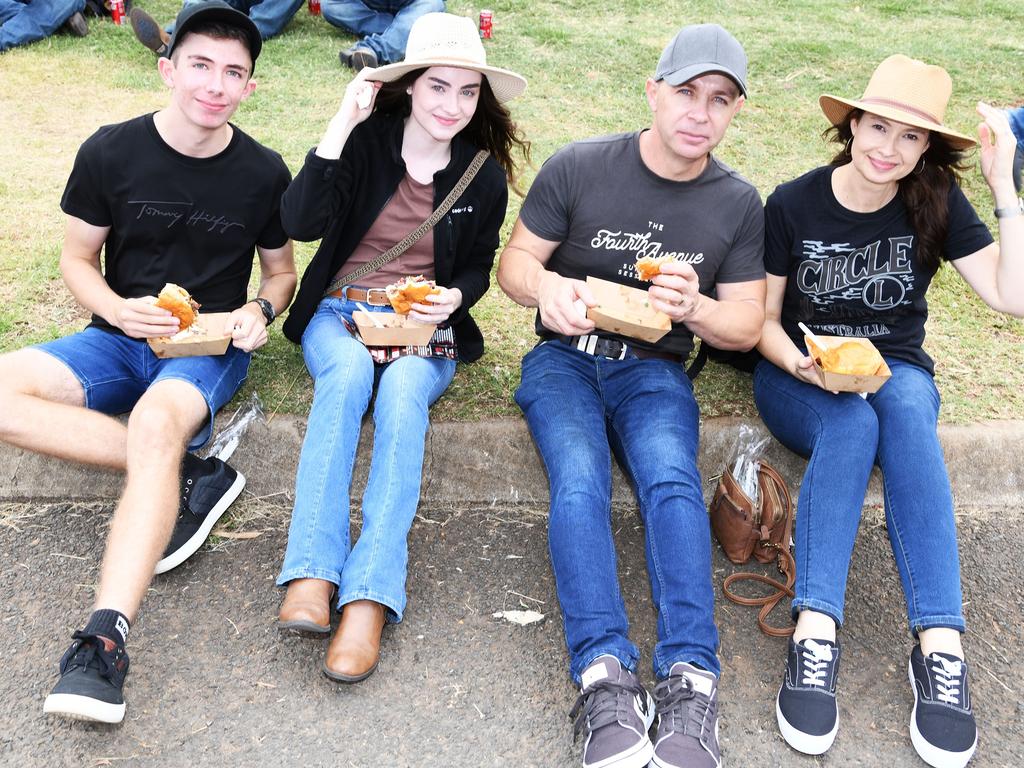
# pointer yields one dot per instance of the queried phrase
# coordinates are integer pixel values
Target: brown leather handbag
(762, 529)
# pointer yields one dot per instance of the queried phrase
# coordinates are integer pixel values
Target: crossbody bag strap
(405, 243)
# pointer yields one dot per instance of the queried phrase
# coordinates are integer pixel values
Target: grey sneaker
(687, 706)
(616, 712)
(77, 25)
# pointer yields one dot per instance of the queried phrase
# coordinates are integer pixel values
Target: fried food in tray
(851, 358)
(179, 303)
(408, 291)
(649, 266)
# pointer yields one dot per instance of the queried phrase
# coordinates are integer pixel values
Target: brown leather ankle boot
(307, 606)
(355, 648)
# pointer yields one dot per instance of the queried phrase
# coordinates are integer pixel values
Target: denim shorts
(115, 371)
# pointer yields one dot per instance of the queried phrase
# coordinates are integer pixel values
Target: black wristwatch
(1010, 211)
(266, 308)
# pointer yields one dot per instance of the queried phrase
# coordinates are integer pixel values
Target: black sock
(110, 624)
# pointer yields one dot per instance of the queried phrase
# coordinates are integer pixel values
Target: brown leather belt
(375, 297)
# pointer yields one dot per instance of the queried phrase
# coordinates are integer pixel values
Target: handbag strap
(406, 242)
(787, 566)
(784, 560)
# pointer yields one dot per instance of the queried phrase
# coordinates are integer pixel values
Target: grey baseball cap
(699, 49)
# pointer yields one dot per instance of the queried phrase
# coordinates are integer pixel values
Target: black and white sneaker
(616, 712)
(806, 705)
(92, 673)
(208, 486)
(687, 707)
(942, 726)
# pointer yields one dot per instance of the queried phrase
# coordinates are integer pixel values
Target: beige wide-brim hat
(446, 40)
(905, 90)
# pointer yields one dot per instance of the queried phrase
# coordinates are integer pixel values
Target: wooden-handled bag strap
(405, 243)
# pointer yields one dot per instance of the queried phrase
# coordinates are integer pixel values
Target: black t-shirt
(857, 274)
(174, 218)
(606, 208)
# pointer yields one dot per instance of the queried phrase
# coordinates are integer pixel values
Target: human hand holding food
(141, 319)
(804, 370)
(675, 290)
(563, 304)
(437, 307)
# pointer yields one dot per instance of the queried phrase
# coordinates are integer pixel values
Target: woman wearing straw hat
(850, 250)
(399, 152)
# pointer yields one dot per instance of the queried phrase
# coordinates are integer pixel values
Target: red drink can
(117, 11)
(486, 24)
(314, 7)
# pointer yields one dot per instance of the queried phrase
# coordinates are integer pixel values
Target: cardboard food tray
(845, 382)
(398, 330)
(626, 311)
(212, 340)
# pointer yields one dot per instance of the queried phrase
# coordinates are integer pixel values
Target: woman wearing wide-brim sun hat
(426, 145)
(850, 249)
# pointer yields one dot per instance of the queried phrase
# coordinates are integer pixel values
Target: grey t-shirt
(606, 208)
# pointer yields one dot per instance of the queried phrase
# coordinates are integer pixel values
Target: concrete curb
(496, 462)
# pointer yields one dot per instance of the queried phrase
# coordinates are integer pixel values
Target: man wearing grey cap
(596, 208)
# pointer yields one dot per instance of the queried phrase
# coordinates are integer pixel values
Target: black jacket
(338, 200)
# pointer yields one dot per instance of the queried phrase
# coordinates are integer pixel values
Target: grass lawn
(586, 63)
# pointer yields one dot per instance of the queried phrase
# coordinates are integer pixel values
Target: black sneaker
(77, 25)
(616, 712)
(806, 706)
(942, 726)
(362, 58)
(687, 706)
(92, 673)
(208, 486)
(148, 32)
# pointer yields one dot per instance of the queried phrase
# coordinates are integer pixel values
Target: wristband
(1010, 211)
(266, 308)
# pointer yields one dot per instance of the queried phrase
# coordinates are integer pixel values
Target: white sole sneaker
(935, 757)
(83, 708)
(190, 547)
(804, 742)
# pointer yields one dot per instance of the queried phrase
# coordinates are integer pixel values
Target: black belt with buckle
(613, 349)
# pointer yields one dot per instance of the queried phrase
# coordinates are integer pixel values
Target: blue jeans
(269, 16)
(344, 377)
(844, 436)
(22, 23)
(115, 371)
(383, 25)
(581, 408)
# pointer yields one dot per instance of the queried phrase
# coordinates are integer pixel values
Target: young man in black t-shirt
(594, 209)
(178, 196)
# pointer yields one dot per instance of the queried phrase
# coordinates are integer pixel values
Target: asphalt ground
(213, 682)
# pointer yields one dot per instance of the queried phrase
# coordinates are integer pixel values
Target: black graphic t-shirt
(857, 274)
(606, 208)
(174, 218)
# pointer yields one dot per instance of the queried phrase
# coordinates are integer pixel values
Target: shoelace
(947, 674)
(681, 707)
(90, 652)
(816, 659)
(600, 705)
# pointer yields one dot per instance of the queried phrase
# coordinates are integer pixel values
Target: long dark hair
(490, 128)
(925, 190)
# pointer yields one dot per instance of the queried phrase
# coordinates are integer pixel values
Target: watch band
(266, 308)
(1010, 211)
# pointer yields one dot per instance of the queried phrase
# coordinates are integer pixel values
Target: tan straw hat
(905, 90)
(445, 40)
